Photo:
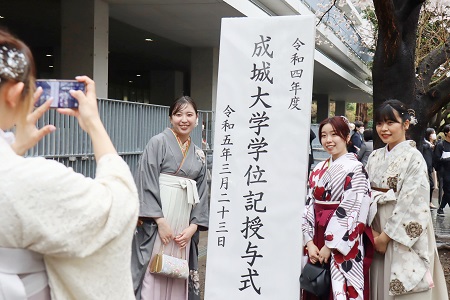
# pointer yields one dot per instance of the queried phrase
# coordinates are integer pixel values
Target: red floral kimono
(335, 215)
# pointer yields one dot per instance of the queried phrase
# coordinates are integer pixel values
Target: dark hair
(358, 124)
(368, 134)
(180, 104)
(429, 132)
(446, 128)
(339, 124)
(27, 75)
(386, 112)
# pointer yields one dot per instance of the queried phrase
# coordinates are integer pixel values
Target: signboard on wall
(260, 160)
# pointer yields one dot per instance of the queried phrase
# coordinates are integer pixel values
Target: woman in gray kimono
(172, 186)
(406, 265)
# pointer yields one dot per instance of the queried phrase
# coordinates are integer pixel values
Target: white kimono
(82, 226)
(410, 265)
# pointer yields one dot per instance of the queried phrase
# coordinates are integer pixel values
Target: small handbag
(315, 279)
(169, 266)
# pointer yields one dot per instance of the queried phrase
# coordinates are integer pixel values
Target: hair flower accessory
(13, 63)
(412, 116)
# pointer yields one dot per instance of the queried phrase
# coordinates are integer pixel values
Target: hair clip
(345, 120)
(13, 63)
(412, 116)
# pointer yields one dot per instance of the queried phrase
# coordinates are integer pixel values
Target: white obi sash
(30, 265)
(184, 183)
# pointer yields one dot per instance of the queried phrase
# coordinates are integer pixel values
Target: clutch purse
(315, 279)
(169, 266)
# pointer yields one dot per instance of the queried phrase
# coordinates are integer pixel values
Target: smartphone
(59, 91)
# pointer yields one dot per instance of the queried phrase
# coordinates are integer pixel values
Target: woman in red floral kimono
(334, 221)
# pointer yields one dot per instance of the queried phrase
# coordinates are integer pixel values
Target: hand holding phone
(59, 91)
(89, 118)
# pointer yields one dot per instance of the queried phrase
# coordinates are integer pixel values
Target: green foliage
(350, 111)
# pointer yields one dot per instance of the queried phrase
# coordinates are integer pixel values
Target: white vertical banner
(261, 149)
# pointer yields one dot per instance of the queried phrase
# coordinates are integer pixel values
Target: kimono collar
(184, 147)
(350, 156)
(399, 148)
(8, 137)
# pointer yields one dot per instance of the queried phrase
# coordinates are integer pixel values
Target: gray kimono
(163, 155)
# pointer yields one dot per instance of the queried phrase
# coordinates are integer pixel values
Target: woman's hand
(185, 236)
(324, 254)
(87, 112)
(313, 252)
(164, 230)
(89, 118)
(375, 233)
(381, 242)
(27, 134)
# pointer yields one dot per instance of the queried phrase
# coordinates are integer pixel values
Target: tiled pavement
(441, 223)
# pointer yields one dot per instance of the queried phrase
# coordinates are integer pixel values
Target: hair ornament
(345, 120)
(412, 116)
(13, 63)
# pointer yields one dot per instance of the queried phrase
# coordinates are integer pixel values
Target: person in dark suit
(427, 152)
(366, 147)
(357, 138)
(442, 155)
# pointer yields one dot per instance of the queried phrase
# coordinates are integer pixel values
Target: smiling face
(183, 121)
(392, 132)
(334, 144)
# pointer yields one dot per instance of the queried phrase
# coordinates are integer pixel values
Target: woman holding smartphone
(58, 228)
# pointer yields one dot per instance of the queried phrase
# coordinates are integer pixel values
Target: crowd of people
(367, 212)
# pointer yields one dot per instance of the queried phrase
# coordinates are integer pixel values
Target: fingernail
(52, 128)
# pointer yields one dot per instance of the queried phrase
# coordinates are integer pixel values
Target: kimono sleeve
(147, 178)
(66, 214)
(411, 214)
(308, 218)
(200, 212)
(348, 222)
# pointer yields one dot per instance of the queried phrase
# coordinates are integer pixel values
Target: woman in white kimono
(57, 225)
(172, 186)
(406, 265)
(336, 213)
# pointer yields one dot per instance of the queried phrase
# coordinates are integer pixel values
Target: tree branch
(407, 8)
(439, 96)
(328, 10)
(430, 63)
(384, 10)
(388, 30)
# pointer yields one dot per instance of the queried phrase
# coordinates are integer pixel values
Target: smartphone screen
(59, 91)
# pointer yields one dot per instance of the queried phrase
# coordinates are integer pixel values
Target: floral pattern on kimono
(345, 182)
(404, 171)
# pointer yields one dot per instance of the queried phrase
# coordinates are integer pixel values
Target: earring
(196, 122)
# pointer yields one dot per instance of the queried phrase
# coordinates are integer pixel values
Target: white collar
(428, 142)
